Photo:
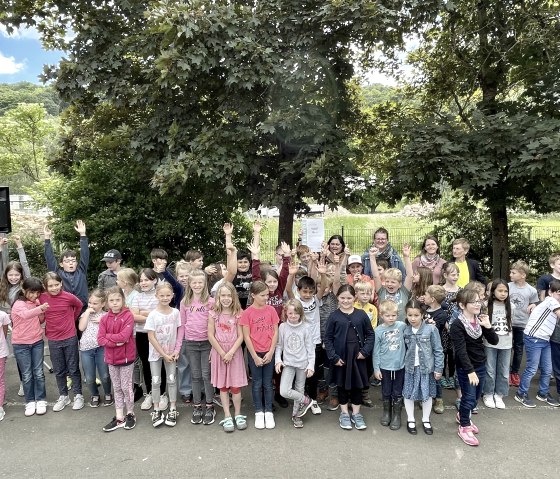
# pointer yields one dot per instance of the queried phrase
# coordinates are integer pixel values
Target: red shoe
(514, 379)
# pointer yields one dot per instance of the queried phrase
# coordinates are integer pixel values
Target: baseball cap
(355, 258)
(111, 255)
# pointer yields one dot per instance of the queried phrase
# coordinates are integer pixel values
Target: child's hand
(336, 259)
(530, 308)
(80, 227)
(322, 266)
(406, 250)
(347, 251)
(44, 307)
(340, 362)
(285, 247)
(373, 251)
(360, 356)
(47, 232)
(314, 256)
(210, 269)
(473, 379)
(484, 321)
(422, 299)
(278, 367)
(227, 357)
(378, 375)
(259, 362)
(3, 241)
(357, 277)
(293, 268)
(175, 356)
(17, 241)
(268, 357)
(437, 376)
(309, 373)
(168, 358)
(257, 227)
(254, 248)
(228, 229)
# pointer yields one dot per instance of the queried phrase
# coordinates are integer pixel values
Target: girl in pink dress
(226, 358)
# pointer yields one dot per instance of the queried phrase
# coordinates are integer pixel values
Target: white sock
(426, 410)
(409, 406)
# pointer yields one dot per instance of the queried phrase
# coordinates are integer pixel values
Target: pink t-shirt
(26, 322)
(194, 320)
(260, 322)
(4, 321)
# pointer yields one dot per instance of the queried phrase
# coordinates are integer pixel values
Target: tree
(12, 94)
(248, 97)
(488, 123)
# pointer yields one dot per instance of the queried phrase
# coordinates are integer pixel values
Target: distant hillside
(24, 92)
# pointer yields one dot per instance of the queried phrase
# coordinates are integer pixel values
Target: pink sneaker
(466, 434)
(472, 426)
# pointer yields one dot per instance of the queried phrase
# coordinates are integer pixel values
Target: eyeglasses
(476, 303)
(69, 260)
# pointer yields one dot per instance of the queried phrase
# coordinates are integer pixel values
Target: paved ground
(515, 442)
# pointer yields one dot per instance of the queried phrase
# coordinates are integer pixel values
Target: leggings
(121, 377)
(312, 382)
(353, 395)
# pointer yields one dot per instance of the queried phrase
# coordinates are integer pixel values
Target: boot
(396, 415)
(387, 409)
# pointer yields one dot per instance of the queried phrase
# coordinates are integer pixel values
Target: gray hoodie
(295, 346)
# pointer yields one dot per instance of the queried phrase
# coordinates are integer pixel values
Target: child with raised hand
(27, 342)
(420, 282)
(13, 275)
(349, 341)
(260, 332)
(73, 275)
(295, 358)
(467, 333)
(498, 356)
(60, 319)
(423, 366)
(116, 335)
(195, 310)
(92, 355)
(162, 325)
(226, 358)
(243, 275)
(394, 289)
(388, 363)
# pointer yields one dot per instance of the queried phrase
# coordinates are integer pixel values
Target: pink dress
(233, 374)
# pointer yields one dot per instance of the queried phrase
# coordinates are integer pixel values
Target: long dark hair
(31, 284)
(507, 302)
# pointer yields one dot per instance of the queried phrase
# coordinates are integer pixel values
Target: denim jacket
(430, 352)
(395, 261)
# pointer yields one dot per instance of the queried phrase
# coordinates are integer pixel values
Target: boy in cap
(108, 278)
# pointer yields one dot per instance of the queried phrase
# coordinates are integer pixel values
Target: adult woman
(385, 251)
(429, 258)
(336, 253)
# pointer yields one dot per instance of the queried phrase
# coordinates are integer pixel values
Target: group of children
(313, 328)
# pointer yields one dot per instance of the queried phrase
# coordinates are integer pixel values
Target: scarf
(386, 253)
(473, 331)
(427, 262)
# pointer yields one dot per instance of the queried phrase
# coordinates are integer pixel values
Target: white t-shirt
(4, 320)
(543, 319)
(312, 316)
(500, 326)
(165, 327)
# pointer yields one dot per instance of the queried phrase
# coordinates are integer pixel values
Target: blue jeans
(262, 379)
(470, 393)
(65, 362)
(538, 357)
(29, 358)
(497, 371)
(555, 356)
(184, 372)
(93, 359)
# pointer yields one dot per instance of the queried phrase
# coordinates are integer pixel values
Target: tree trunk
(286, 222)
(500, 239)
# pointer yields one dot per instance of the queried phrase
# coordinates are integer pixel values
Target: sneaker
(358, 421)
(163, 402)
(304, 406)
(227, 424)
(171, 418)
(333, 403)
(241, 422)
(78, 402)
(467, 435)
(472, 426)
(147, 403)
(439, 408)
(298, 421)
(375, 382)
(269, 420)
(475, 409)
(20, 392)
(197, 415)
(41, 408)
(129, 421)
(187, 398)
(108, 401)
(157, 418)
(61, 403)
(524, 399)
(209, 415)
(366, 401)
(488, 400)
(315, 409)
(30, 408)
(499, 402)
(259, 420)
(217, 400)
(114, 424)
(457, 404)
(322, 396)
(548, 399)
(2, 413)
(281, 400)
(344, 421)
(94, 401)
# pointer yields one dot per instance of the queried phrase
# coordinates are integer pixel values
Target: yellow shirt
(370, 310)
(464, 276)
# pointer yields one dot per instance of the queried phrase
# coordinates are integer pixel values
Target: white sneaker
(30, 408)
(163, 402)
(78, 402)
(2, 413)
(315, 408)
(41, 408)
(61, 403)
(488, 401)
(269, 420)
(147, 403)
(259, 420)
(499, 402)
(20, 393)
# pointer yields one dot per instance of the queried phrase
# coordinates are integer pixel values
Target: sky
(22, 56)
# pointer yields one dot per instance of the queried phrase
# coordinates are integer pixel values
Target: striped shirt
(543, 319)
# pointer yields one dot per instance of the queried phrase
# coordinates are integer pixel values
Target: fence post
(342, 231)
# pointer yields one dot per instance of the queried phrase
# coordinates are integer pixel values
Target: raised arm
(373, 262)
(22, 256)
(322, 269)
(292, 270)
(255, 250)
(49, 253)
(285, 270)
(408, 267)
(231, 252)
(84, 246)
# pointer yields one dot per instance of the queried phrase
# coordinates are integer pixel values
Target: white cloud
(9, 66)
(29, 33)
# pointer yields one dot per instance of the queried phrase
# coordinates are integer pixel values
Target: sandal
(227, 423)
(241, 422)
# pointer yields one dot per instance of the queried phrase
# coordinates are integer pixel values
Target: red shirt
(261, 326)
(61, 315)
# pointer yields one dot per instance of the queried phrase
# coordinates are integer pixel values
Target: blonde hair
(164, 285)
(235, 305)
(522, 267)
(98, 294)
(363, 287)
(393, 273)
(388, 307)
(128, 275)
(437, 292)
(478, 287)
(296, 304)
(463, 242)
(189, 293)
(183, 266)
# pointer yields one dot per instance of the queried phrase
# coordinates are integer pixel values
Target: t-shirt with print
(543, 319)
(4, 350)
(260, 322)
(311, 309)
(400, 297)
(521, 298)
(242, 283)
(499, 324)
(89, 336)
(370, 310)
(165, 327)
